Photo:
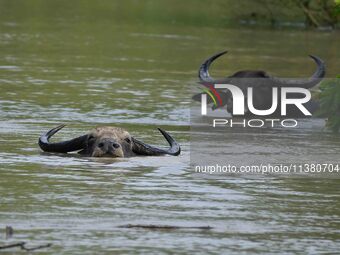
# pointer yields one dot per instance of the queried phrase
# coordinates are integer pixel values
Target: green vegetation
(330, 103)
(217, 13)
(307, 13)
(337, 8)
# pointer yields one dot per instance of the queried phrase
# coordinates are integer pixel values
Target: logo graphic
(239, 103)
(255, 94)
(210, 90)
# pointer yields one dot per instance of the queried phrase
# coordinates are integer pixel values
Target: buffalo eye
(128, 140)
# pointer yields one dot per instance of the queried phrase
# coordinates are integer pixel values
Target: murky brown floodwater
(67, 69)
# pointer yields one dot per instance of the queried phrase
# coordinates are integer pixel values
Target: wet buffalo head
(107, 142)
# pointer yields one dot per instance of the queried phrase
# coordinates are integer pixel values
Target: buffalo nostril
(101, 145)
(115, 145)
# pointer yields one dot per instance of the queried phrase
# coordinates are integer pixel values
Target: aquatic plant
(330, 103)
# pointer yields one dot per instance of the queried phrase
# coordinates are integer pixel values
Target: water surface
(66, 68)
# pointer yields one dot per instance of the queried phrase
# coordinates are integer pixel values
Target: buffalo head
(107, 142)
(261, 81)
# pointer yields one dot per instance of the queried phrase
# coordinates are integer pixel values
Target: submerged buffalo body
(107, 142)
(262, 84)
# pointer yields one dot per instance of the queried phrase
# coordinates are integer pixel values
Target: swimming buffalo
(107, 142)
(262, 84)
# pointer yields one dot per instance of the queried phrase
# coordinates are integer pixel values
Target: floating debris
(9, 232)
(152, 226)
(22, 246)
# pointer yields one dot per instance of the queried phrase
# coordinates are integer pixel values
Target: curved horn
(305, 83)
(320, 72)
(149, 150)
(63, 147)
(203, 72)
